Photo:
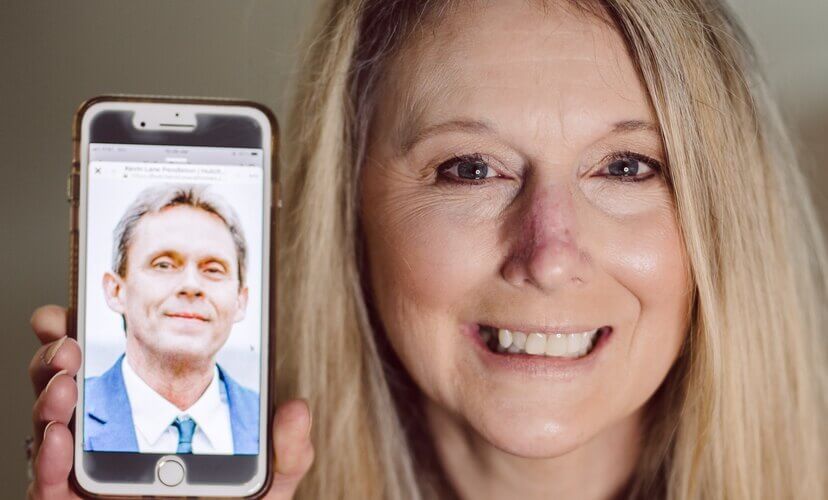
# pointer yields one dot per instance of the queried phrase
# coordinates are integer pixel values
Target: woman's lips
(552, 367)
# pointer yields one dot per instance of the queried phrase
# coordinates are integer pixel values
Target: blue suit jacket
(108, 426)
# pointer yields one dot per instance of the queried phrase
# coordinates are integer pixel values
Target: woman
(535, 250)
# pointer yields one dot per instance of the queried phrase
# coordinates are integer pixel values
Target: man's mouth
(569, 345)
(186, 315)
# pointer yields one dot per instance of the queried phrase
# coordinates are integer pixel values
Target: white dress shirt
(153, 415)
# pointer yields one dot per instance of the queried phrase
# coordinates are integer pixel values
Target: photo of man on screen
(178, 282)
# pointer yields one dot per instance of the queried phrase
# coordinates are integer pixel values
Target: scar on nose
(547, 218)
(548, 236)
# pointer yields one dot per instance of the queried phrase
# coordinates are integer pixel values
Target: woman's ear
(241, 305)
(113, 286)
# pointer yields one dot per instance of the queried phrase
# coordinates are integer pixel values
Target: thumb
(292, 448)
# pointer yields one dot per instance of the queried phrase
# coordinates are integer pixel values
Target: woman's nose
(546, 252)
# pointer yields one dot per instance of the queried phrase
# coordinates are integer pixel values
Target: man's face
(180, 292)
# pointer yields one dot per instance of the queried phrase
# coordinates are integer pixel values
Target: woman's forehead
(557, 73)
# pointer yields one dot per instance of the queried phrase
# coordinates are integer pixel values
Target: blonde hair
(742, 413)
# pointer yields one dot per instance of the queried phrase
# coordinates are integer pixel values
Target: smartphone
(173, 258)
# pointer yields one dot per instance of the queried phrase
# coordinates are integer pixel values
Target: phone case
(73, 197)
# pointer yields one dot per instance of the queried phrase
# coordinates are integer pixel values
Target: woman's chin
(534, 437)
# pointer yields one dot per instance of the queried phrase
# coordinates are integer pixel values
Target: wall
(54, 55)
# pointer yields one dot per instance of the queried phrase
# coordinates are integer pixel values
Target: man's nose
(190, 282)
(546, 253)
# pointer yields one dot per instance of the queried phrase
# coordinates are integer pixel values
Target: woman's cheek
(660, 260)
(434, 249)
(637, 232)
(425, 263)
(646, 256)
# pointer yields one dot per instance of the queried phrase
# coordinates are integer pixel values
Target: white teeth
(535, 343)
(570, 345)
(586, 341)
(556, 345)
(504, 338)
(519, 339)
(576, 343)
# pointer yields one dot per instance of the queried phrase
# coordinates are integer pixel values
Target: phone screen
(172, 299)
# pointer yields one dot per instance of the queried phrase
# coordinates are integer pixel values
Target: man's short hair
(156, 198)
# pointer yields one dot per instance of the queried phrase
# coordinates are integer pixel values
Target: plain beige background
(53, 55)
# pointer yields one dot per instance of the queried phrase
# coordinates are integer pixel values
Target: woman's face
(512, 183)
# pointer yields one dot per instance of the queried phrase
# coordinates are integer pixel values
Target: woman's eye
(467, 168)
(631, 167)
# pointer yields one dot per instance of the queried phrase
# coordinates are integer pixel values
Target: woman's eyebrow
(634, 126)
(410, 137)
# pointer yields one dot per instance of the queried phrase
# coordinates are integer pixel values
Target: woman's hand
(292, 447)
(52, 372)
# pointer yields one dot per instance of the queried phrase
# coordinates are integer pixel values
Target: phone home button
(170, 471)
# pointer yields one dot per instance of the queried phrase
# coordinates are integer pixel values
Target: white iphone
(173, 269)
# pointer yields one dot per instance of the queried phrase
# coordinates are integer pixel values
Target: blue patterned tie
(186, 428)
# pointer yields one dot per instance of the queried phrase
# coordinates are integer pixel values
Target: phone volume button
(277, 194)
(72, 188)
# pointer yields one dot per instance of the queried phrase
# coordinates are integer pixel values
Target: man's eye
(214, 269)
(466, 168)
(162, 264)
(631, 167)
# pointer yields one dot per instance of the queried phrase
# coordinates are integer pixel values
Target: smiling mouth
(186, 316)
(553, 345)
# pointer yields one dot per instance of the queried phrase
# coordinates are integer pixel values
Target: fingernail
(47, 428)
(53, 349)
(56, 375)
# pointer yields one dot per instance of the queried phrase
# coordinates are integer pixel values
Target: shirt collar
(206, 411)
(153, 414)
